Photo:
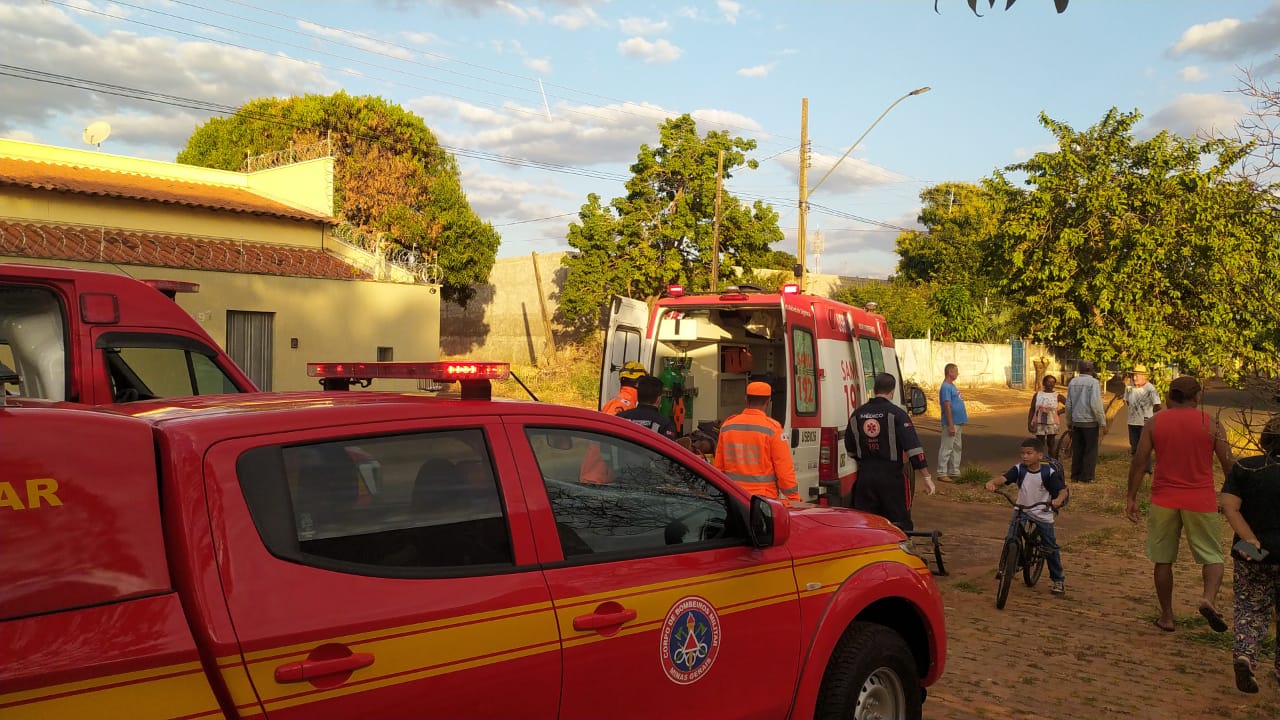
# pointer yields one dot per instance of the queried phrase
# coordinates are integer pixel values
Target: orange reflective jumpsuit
(754, 454)
(626, 399)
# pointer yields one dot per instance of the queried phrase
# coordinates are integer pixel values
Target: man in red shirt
(1185, 440)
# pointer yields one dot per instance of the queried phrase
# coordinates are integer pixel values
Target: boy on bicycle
(1038, 482)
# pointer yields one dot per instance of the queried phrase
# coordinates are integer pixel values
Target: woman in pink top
(1185, 439)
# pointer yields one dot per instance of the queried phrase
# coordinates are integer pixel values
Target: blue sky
(611, 71)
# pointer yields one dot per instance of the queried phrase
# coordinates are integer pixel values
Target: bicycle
(1023, 550)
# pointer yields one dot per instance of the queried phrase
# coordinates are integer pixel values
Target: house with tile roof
(282, 282)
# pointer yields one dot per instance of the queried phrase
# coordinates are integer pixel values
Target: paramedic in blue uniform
(880, 435)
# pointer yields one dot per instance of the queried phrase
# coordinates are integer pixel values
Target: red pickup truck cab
(97, 338)
(227, 556)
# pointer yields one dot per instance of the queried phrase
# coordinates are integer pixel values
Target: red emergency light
(474, 376)
(172, 287)
(790, 289)
(675, 291)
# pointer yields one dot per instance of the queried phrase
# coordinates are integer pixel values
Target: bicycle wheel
(1064, 450)
(1034, 565)
(1008, 566)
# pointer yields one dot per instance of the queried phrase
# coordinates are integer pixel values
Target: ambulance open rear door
(626, 340)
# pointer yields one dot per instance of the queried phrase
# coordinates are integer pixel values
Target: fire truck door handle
(604, 618)
(795, 437)
(311, 669)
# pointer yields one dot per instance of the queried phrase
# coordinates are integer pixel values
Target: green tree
(1142, 251)
(660, 232)
(907, 306)
(954, 257)
(391, 174)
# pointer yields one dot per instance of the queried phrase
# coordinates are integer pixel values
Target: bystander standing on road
(1143, 400)
(1251, 503)
(880, 435)
(953, 419)
(1185, 440)
(1087, 419)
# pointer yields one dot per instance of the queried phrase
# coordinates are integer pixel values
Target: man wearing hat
(1143, 400)
(752, 451)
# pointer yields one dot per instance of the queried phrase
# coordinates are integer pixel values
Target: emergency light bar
(790, 289)
(675, 291)
(341, 376)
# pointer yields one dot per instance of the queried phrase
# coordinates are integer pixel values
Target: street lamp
(806, 191)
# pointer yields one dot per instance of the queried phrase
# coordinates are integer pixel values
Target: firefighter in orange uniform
(753, 452)
(626, 398)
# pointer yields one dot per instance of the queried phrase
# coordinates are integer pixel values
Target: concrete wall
(980, 364)
(504, 320)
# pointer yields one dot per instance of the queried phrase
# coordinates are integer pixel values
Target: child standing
(1042, 418)
(1038, 482)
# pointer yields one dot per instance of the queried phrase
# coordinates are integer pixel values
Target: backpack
(1057, 469)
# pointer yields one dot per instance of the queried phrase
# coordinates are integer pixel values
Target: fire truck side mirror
(768, 522)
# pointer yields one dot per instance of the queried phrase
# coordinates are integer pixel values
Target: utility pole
(804, 189)
(715, 226)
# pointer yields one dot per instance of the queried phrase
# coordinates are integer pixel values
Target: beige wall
(42, 206)
(333, 320)
(923, 360)
(305, 185)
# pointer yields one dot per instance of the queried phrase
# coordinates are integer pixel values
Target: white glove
(928, 484)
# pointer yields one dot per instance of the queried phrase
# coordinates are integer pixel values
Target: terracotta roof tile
(175, 251)
(105, 183)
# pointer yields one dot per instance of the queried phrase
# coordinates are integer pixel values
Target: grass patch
(1093, 539)
(972, 475)
(967, 586)
(572, 379)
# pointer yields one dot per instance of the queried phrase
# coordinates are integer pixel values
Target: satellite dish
(96, 133)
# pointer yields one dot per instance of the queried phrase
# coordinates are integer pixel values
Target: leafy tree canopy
(1059, 5)
(907, 306)
(1141, 251)
(660, 232)
(390, 174)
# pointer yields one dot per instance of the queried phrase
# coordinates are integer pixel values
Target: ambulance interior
(33, 342)
(718, 350)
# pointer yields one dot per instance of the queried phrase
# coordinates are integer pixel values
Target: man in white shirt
(1143, 401)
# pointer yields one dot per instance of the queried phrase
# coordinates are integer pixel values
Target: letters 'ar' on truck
(819, 356)
(96, 338)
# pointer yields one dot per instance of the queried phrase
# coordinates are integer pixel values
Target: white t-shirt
(1142, 402)
(1032, 490)
(1046, 412)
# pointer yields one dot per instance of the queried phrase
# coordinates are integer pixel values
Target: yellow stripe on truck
(178, 691)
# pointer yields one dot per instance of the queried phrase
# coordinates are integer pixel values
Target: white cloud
(577, 19)
(1192, 73)
(1230, 39)
(850, 175)
(726, 119)
(729, 9)
(46, 37)
(651, 52)
(421, 38)
(22, 135)
(362, 41)
(642, 26)
(757, 71)
(498, 196)
(1194, 114)
(689, 13)
(539, 65)
(1025, 153)
(523, 14)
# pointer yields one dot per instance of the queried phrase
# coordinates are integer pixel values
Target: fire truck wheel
(872, 674)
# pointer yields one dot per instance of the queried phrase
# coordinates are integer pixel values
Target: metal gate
(1018, 364)
(249, 343)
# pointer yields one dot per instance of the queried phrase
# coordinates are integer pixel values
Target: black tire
(1008, 566)
(1035, 566)
(872, 673)
(1064, 450)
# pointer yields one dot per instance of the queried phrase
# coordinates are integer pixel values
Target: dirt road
(1093, 653)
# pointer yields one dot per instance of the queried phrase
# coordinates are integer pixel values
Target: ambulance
(819, 356)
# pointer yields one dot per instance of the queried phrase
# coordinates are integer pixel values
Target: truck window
(644, 502)
(806, 393)
(33, 335)
(872, 362)
(396, 506)
(141, 373)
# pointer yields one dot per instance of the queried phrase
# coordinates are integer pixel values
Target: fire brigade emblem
(690, 640)
(871, 427)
